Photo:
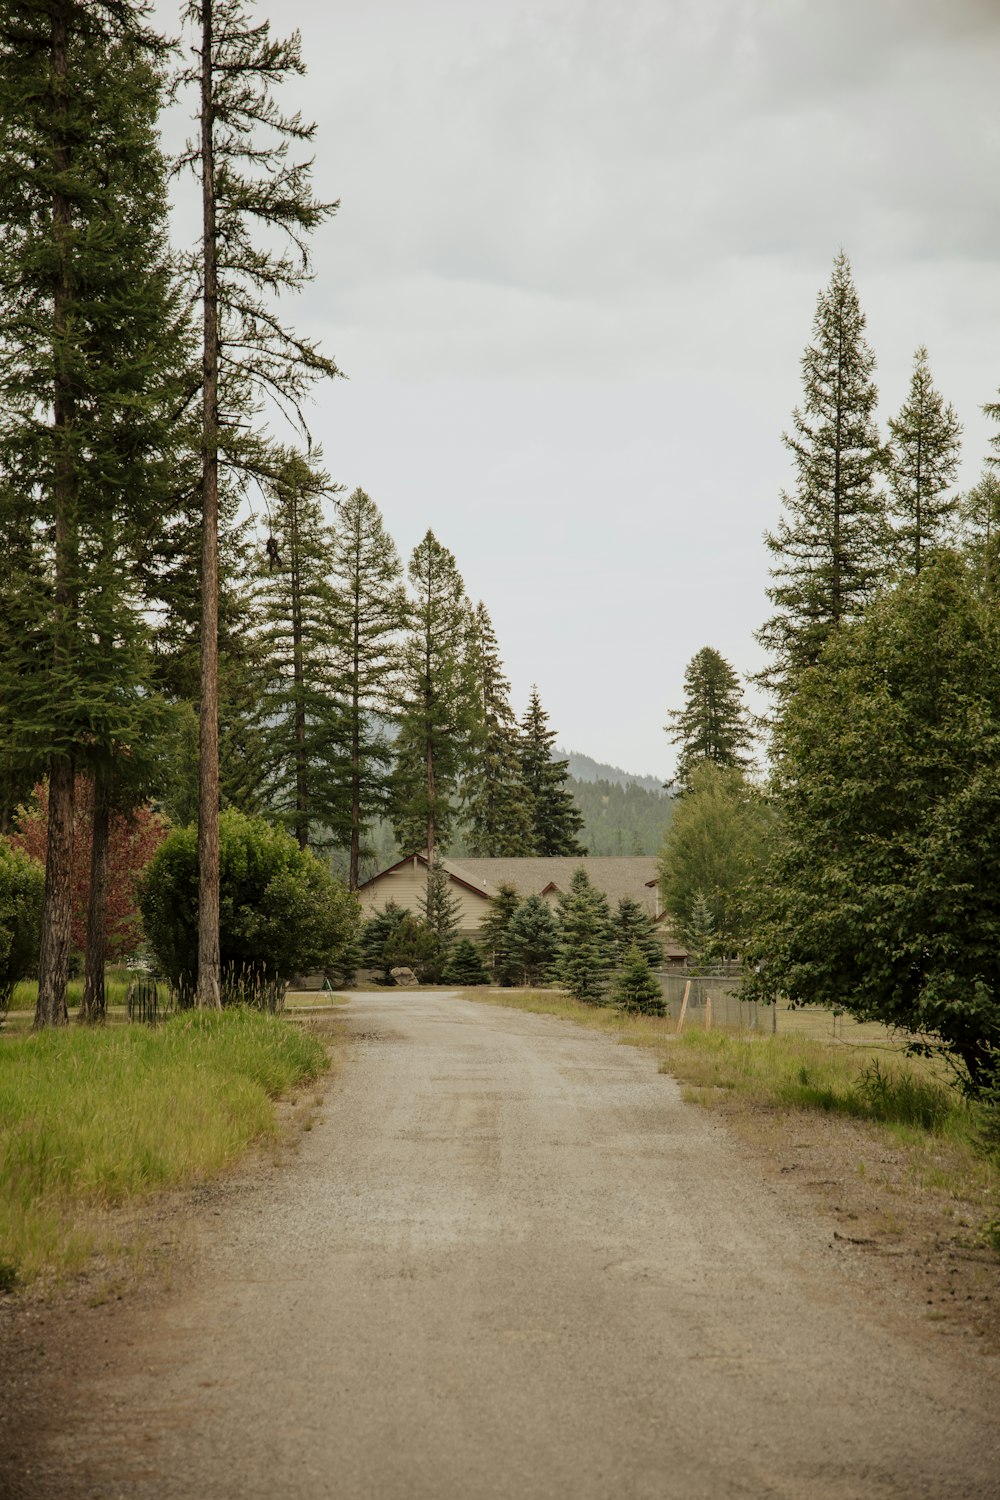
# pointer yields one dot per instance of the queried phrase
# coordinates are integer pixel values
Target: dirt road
(509, 1262)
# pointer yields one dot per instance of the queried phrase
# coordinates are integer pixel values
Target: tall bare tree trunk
(57, 911)
(298, 684)
(209, 977)
(94, 1005)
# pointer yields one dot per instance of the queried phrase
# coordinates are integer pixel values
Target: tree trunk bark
(209, 977)
(94, 1006)
(57, 911)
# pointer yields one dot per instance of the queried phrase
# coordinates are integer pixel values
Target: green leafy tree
(881, 898)
(494, 930)
(465, 964)
(712, 725)
(715, 846)
(636, 988)
(830, 547)
(532, 941)
(556, 820)
(89, 325)
(437, 709)
(301, 704)
(586, 952)
(498, 822)
(282, 912)
(22, 892)
(634, 929)
(253, 197)
(925, 444)
(369, 613)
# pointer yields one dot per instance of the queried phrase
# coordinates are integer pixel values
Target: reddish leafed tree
(133, 839)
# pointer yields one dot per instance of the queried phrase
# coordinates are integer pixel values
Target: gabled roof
(615, 875)
(453, 870)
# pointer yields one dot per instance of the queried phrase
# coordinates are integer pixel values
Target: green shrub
(22, 888)
(465, 965)
(281, 912)
(636, 987)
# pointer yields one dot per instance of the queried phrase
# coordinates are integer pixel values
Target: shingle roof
(615, 875)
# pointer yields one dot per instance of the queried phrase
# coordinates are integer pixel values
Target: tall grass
(90, 1118)
(116, 981)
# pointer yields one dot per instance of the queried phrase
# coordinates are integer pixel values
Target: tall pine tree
(496, 809)
(253, 195)
(712, 724)
(923, 456)
(369, 613)
(437, 708)
(88, 325)
(555, 818)
(830, 547)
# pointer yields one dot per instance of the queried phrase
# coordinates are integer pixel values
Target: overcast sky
(573, 272)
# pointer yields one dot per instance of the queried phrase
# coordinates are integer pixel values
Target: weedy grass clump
(90, 1118)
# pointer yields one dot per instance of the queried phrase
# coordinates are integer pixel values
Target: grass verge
(92, 1118)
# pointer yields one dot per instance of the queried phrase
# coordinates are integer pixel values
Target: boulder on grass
(405, 978)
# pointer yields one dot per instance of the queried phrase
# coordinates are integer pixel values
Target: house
(474, 882)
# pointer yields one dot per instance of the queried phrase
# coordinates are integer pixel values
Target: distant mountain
(584, 768)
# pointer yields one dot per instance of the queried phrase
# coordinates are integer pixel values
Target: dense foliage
(282, 913)
(882, 894)
(22, 887)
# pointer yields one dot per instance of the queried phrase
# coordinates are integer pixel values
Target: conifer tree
(436, 714)
(465, 965)
(301, 705)
(494, 930)
(498, 818)
(440, 909)
(369, 612)
(636, 988)
(922, 460)
(829, 549)
(89, 327)
(585, 956)
(248, 184)
(634, 929)
(532, 940)
(980, 517)
(556, 820)
(712, 724)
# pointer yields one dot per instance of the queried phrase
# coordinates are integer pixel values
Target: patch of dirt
(920, 1244)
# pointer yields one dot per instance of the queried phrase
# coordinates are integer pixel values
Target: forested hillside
(619, 818)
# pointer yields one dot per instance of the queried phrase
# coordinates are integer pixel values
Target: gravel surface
(508, 1261)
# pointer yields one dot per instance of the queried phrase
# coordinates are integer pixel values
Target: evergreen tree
(498, 820)
(494, 930)
(556, 820)
(247, 183)
(369, 612)
(532, 941)
(441, 909)
(923, 455)
(980, 517)
(634, 929)
(89, 324)
(377, 943)
(437, 707)
(465, 965)
(712, 724)
(829, 549)
(636, 988)
(585, 956)
(699, 934)
(301, 707)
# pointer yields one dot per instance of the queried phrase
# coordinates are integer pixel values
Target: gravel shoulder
(506, 1261)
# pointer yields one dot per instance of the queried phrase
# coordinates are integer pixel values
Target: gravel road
(509, 1261)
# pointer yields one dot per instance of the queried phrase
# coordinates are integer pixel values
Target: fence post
(774, 1015)
(684, 1006)
(708, 1012)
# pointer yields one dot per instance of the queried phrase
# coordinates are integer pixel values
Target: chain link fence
(707, 1000)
